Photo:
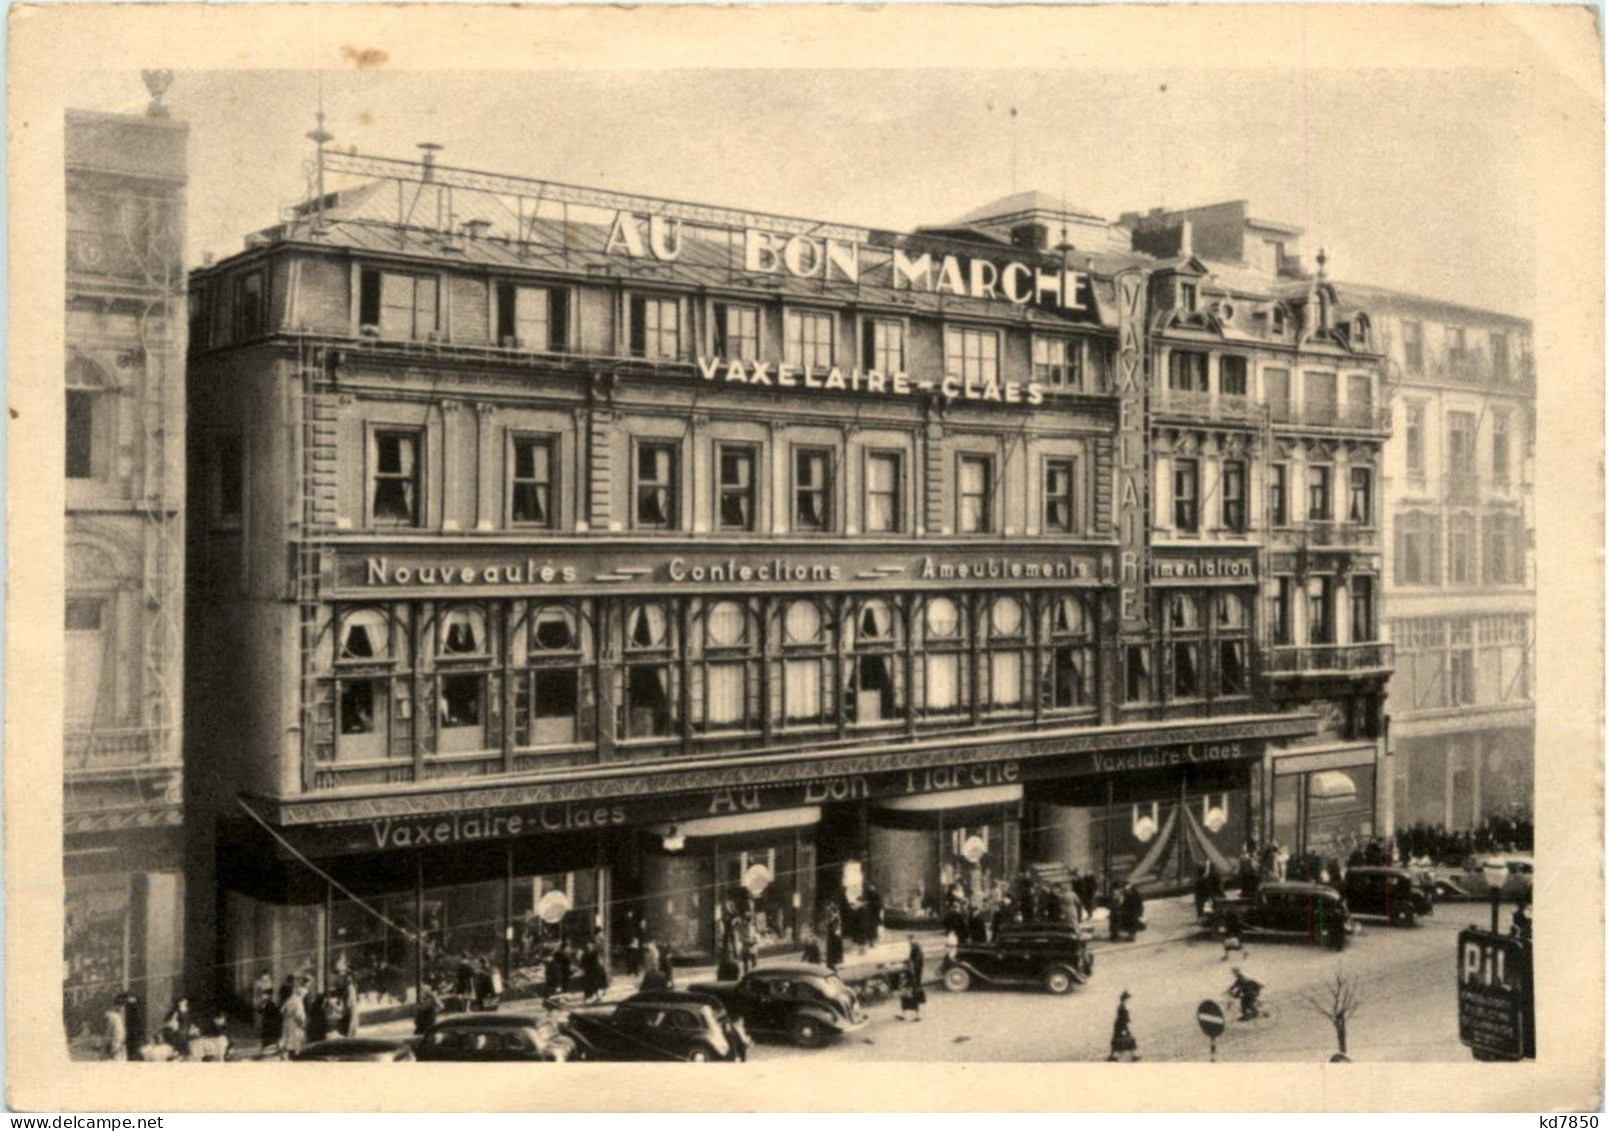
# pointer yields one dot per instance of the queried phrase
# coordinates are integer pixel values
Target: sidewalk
(1167, 920)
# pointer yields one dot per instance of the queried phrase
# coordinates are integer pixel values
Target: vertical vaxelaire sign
(1133, 481)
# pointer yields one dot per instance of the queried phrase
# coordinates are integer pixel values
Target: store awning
(954, 799)
(739, 823)
(1332, 785)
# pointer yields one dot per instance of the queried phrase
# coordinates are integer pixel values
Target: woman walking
(294, 1036)
(1122, 1038)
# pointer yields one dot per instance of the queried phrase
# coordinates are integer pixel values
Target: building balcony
(1328, 659)
(1348, 418)
(1347, 534)
(1192, 405)
(117, 748)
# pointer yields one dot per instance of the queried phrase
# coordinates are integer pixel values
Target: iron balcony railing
(114, 748)
(1347, 534)
(1215, 408)
(1355, 418)
(1321, 659)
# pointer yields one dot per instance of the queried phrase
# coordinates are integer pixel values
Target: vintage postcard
(1056, 546)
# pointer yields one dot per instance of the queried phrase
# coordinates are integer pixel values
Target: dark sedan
(495, 1037)
(802, 1003)
(1315, 912)
(661, 1025)
(1390, 893)
(356, 1049)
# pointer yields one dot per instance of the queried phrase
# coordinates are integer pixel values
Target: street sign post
(1495, 996)
(1210, 1017)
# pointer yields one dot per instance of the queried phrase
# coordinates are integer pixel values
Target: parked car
(805, 1004)
(373, 1049)
(489, 1037)
(655, 1025)
(1513, 873)
(1393, 893)
(1298, 910)
(1053, 956)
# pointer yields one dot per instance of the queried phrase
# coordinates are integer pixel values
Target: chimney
(206, 259)
(430, 149)
(1186, 237)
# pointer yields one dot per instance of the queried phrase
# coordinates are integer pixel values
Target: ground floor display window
(1328, 813)
(102, 942)
(1458, 780)
(937, 853)
(1154, 829)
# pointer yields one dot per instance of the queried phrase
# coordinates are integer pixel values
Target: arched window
(647, 626)
(1069, 617)
(1183, 612)
(1005, 619)
(943, 619)
(726, 625)
(1230, 610)
(802, 623)
(463, 632)
(875, 622)
(365, 635)
(552, 629)
(88, 424)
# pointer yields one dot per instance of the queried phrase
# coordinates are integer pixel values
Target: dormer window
(396, 305)
(1359, 330)
(532, 318)
(1188, 296)
(1278, 319)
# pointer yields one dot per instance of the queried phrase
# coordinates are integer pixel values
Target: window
(228, 480)
(1359, 330)
(1319, 391)
(650, 691)
(1460, 446)
(658, 505)
(736, 332)
(1185, 633)
(1460, 550)
(531, 482)
(461, 695)
(874, 679)
(1320, 610)
(1319, 476)
(398, 306)
(655, 328)
(1233, 645)
(807, 339)
(1136, 673)
(1499, 355)
(1186, 495)
(250, 307)
(365, 637)
(1283, 610)
(1187, 295)
(1456, 343)
(1070, 682)
(1186, 371)
(1007, 659)
(1277, 384)
(463, 633)
(395, 500)
(1499, 447)
(808, 659)
(364, 687)
(735, 468)
(88, 432)
(1061, 496)
(976, 495)
(729, 669)
(532, 318)
(1503, 557)
(1360, 508)
(884, 502)
(1412, 345)
(1363, 628)
(1231, 376)
(812, 489)
(971, 354)
(884, 345)
(88, 633)
(1278, 320)
(1234, 495)
(944, 658)
(1415, 439)
(1058, 363)
(1417, 549)
(1359, 399)
(1278, 494)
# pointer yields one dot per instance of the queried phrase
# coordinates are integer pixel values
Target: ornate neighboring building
(125, 179)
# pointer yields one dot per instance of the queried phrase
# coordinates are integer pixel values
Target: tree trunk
(1340, 1032)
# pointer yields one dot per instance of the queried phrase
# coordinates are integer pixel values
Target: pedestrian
(265, 1006)
(650, 957)
(294, 1038)
(1202, 889)
(912, 996)
(812, 952)
(667, 965)
(115, 1042)
(1122, 1038)
(834, 937)
(873, 914)
(748, 940)
(978, 926)
(1250, 878)
(1133, 910)
(134, 1026)
(594, 978)
(176, 1028)
(736, 1034)
(425, 1015)
(558, 970)
(1522, 925)
(916, 959)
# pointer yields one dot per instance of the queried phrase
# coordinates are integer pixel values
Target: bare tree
(1338, 1000)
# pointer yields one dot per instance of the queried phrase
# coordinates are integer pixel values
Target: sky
(1418, 180)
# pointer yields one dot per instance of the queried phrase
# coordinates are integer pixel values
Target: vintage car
(654, 1025)
(351, 1049)
(805, 1004)
(1512, 873)
(1295, 910)
(1051, 956)
(1392, 893)
(487, 1037)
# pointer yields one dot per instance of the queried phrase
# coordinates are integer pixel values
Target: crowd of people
(180, 1037)
(1500, 832)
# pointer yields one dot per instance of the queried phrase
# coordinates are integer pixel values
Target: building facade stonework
(583, 567)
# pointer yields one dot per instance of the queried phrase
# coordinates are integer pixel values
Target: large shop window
(884, 493)
(808, 660)
(975, 498)
(394, 305)
(1070, 657)
(812, 489)
(807, 339)
(876, 692)
(655, 328)
(650, 703)
(971, 355)
(729, 668)
(658, 504)
(944, 657)
(394, 456)
(1061, 496)
(736, 486)
(532, 481)
(554, 702)
(1008, 654)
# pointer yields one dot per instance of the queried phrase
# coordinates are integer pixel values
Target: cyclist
(1249, 992)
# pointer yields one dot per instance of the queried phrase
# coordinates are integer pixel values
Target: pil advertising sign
(1495, 996)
